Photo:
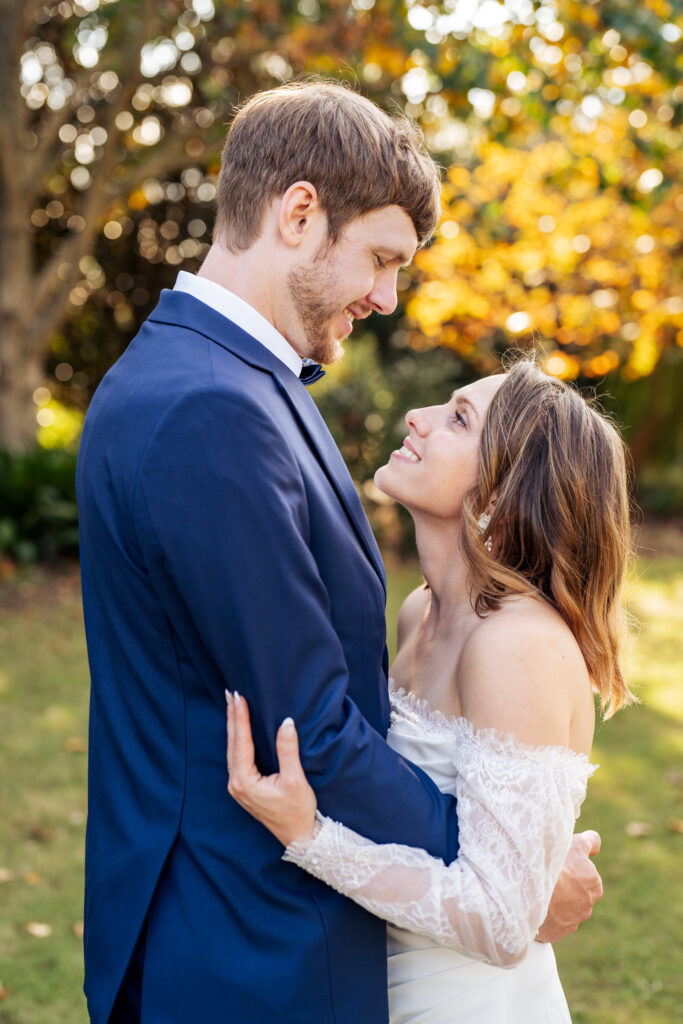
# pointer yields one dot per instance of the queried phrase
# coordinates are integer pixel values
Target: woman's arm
(517, 808)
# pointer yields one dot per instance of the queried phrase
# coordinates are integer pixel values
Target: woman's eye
(460, 419)
(380, 262)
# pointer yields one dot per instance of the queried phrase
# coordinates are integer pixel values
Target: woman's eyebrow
(461, 400)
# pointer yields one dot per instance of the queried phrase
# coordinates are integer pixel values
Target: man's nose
(383, 298)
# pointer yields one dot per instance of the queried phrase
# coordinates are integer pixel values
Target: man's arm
(487, 903)
(223, 520)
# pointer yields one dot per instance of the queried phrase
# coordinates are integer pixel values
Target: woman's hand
(284, 803)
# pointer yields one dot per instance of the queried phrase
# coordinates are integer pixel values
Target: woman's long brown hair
(560, 526)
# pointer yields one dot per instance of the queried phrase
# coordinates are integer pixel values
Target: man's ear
(299, 206)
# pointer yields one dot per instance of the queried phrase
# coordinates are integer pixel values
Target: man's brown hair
(358, 157)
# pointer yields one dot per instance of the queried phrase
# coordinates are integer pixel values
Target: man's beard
(307, 288)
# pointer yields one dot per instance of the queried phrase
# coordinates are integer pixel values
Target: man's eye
(380, 262)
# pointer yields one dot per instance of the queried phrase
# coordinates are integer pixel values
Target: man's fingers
(287, 743)
(591, 840)
(595, 841)
(587, 844)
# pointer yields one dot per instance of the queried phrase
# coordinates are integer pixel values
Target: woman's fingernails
(227, 696)
(237, 697)
(288, 726)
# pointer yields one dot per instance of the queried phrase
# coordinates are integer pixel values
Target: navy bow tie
(310, 372)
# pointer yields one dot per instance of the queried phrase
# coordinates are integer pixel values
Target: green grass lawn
(624, 966)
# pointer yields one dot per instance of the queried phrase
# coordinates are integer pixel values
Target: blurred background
(558, 127)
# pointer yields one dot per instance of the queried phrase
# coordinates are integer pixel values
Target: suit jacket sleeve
(223, 522)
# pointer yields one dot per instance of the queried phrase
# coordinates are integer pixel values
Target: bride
(517, 488)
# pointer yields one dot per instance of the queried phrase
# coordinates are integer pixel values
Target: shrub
(38, 511)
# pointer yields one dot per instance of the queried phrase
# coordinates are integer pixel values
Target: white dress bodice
(430, 983)
(460, 936)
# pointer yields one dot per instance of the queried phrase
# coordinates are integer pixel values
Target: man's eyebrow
(461, 400)
(392, 255)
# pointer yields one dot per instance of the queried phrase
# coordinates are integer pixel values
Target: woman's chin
(380, 474)
(383, 483)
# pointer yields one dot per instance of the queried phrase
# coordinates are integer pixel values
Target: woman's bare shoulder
(521, 671)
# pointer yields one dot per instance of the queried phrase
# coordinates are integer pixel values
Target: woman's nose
(418, 420)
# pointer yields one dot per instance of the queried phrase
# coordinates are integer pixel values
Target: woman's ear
(491, 504)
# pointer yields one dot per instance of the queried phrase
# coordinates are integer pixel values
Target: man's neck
(245, 274)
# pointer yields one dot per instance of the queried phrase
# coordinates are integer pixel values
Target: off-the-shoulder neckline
(504, 742)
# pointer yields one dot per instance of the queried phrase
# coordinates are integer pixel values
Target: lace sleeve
(516, 810)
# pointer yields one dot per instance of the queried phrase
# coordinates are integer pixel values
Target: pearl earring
(482, 523)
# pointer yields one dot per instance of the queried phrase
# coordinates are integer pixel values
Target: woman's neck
(446, 572)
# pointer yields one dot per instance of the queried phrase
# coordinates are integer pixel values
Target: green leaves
(39, 513)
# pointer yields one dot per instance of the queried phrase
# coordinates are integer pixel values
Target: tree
(105, 102)
(564, 212)
(556, 121)
(69, 139)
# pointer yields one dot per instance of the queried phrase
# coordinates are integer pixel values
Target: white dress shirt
(242, 314)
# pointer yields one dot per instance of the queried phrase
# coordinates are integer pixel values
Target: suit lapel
(180, 308)
(321, 440)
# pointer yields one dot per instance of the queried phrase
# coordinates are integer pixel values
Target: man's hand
(578, 889)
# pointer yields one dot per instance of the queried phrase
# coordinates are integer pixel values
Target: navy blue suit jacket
(223, 545)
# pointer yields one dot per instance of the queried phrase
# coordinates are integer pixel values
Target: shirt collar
(242, 314)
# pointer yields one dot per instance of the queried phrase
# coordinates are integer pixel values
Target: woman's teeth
(408, 454)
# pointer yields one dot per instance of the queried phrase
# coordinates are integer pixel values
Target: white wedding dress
(460, 937)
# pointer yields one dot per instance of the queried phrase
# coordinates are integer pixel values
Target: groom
(223, 546)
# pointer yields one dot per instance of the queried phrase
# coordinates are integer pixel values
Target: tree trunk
(20, 362)
(22, 372)
(21, 359)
